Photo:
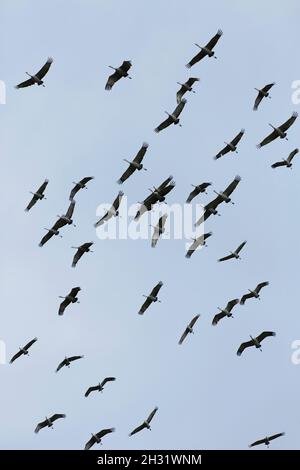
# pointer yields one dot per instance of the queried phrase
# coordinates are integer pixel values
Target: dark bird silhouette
(152, 297)
(112, 212)
(226, 312)
(157, 195)
(119, 72)
(37, 78)
(159, 229)
(230, 146)
(201, 240)
(254, 293)
(37, 196)
(84, 248)
(135, 164)
(100, 386)
(224, 196)
(63, 220)
(286, 162)
(234, 254)
(266, 440)
(48, 422)
(280, 131)
(206, 50)
(67, 361)
(255, 341)
(172, 118)
(262, 93)
(80, 185)
(198, 189)
(96, 438)
(23, 350)
(187, 86)
(146, 423)
(189, 329)
(70, 298)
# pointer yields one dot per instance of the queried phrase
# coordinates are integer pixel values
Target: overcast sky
(208, 398)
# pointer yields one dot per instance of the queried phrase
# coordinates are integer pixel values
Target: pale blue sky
(208, 398)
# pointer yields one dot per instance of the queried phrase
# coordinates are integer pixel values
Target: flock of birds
(158, 195)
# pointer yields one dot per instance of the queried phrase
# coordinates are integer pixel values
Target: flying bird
(146, 423)
(187, 86)
(119, 72)
(198, 189)
(189, 329)
(279, 131)
(201, 240)
(223, 196)
(157, 195)
(159, 229)
(230, 146)
(96, 438)
(136, 163)
(37, 78)
(100, 386)
(255, 341)
(266, 440)
(84, 248)
(262, 93)
(172, 118)
(226, 312)
(80, 185)
(37, 196)
(112, 212)
(206, 50)
(63, 220)
(152, 297)
(23, 350)
(70, 298)
(254, 293)
(67, 361)
(286, 162)
(234, 254)
(48, 422)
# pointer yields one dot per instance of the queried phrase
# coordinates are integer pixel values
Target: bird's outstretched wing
(243, 346)
(74, 191)
(231, 304)
(70, 210)
(145, 305)
(28, 345)
(193, 194)
(180, 93)
(117, 201)
(138, 429)
(278, 164)
(47, 237)
(103, 432)
(178, 110)
(74, 291)
(272, 136)
(16, 356)
(238, 137)
(40, 426)
(79, 253)
(57, 416)
(240, 247)
(257, 101)
(74, 358)
(141, 153)
(61, 365)
(42, 72)
(151, 415)
(287, 124)
(246, 297)
(193, 321)
(104, 218)
(292, 154)
(275, 436)
(211, 44)
(26, 83)
(218, 317)
(265, 334)
(112, 79)
(257, 443)
(222, 152)
(63, 306)
(225, 258)
(91, 389)
(231, 187)
(193, 247)
(32, 202)
(90, 443)
(107, 379)
(259, 287)
(156, 289)
(163, 125)
(128, 172)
